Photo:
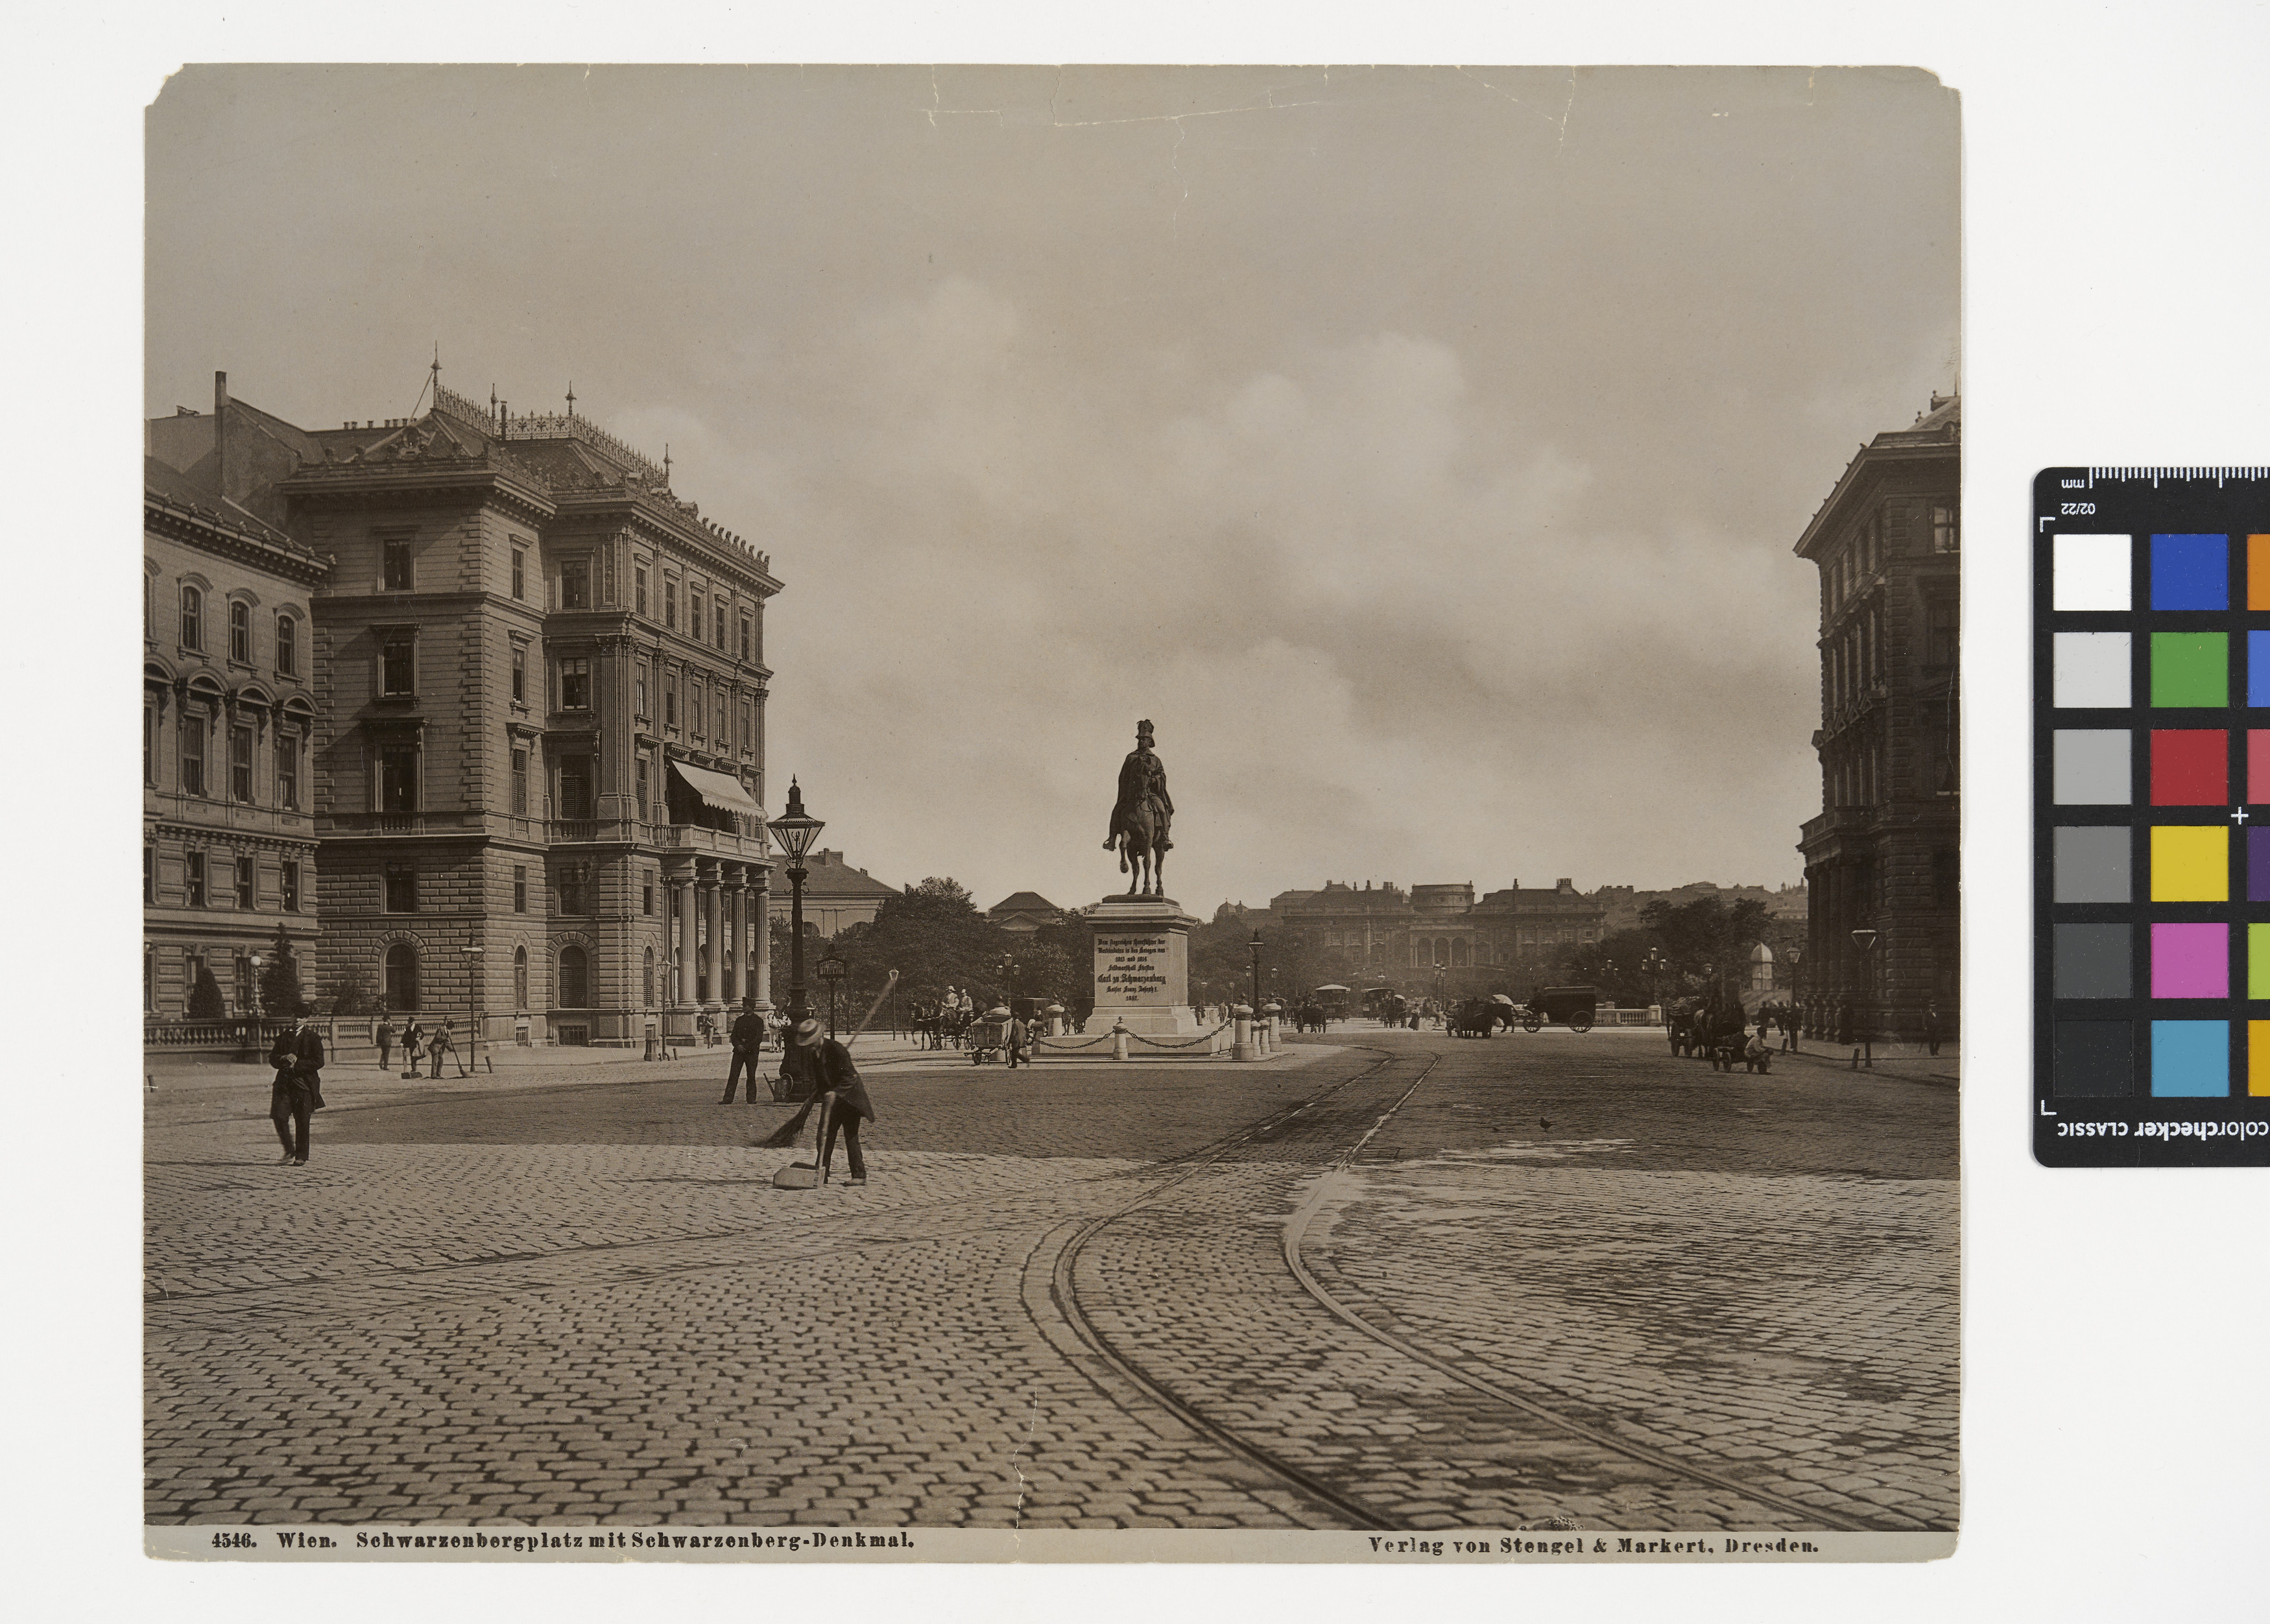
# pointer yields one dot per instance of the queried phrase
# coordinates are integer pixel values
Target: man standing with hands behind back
(748, 1037)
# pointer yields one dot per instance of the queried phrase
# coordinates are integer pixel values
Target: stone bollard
(1119, 1039)
(1240, 1042)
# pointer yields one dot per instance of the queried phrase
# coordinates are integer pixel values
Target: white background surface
(2116, 1450)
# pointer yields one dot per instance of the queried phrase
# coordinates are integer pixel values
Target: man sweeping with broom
(823, 1066)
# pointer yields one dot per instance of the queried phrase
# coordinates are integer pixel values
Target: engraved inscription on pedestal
(1142, 966)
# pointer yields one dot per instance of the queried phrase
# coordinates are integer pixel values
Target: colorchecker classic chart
(2152, 817)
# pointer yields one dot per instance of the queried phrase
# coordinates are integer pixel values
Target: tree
(279, 979)
(351, 993)
(934, 937)
(205, 1002)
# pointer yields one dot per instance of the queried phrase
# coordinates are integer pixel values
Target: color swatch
(2152, 753)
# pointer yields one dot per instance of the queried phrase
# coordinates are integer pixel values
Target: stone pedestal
(1143, 966)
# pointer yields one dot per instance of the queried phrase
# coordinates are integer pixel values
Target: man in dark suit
(748, 1036)
(824, 1065)
(298, 1092)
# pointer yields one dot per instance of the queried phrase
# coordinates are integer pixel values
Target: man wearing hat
(1142, 777)
(824, 1065)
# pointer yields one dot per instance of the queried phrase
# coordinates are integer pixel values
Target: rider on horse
(1141, 775)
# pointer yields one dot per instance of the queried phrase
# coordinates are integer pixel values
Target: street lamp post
(1794, 1022)
(796, 830)
(1008, 967)
(831, 970)
(1255, 945)
(1864, 1046)
(1653, 966)
(479, 1001)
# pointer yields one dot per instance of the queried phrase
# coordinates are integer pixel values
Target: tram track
(1193, 1411)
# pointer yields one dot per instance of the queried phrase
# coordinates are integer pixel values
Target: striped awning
(719, 790)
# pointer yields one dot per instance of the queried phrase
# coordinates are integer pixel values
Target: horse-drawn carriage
(1717, 1031)
(1573, 1007)
(1478, 1018)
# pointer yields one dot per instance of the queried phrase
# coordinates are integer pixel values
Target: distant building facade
(534, 703)
(1884, 854)
(838, 896)
(1023, 912)
(228, 724)
(1392, 938)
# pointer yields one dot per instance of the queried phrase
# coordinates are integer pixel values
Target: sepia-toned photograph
(1051, 814)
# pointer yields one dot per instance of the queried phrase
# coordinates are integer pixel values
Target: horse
(1140, 853)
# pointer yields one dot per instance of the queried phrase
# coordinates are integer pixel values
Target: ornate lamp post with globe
(796, 830)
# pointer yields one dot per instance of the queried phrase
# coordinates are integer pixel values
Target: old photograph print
(1051, 813)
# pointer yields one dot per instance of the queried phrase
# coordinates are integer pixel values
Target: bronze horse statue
(1143, 848)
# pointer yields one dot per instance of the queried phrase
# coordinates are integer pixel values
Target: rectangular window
(244, 884)
(1941, 632)
(150, 745)
(520, 573)
(641, 786)
(718, 715)
(670, 701)
(290, 875)
(748, 727)
(638, 708)
(519, 675)
(694, 614)
(240, 634)
(520, 783)
(1944, 537)
(193, 618)
(287, 646)
(646, 895)
(239, 763)
(721, 625)
(401, 572)
(571, 889)
(243, 976)
(519, 888)
(193, 752)
(287, 771)
(193, 877)
(397, 672)
(694, 706)
(575, 583)
(745, 630)
(397, 779)
(638, 581)
(576, 685)
(670, 604)
(150, 876)
(576, 787)
(401, 889)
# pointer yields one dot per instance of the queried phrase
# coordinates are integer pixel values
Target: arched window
(193, 617)
(240, 632)
(574, 979)
(402, 977)
(287, 646)
(1458, 952)
(520, 979)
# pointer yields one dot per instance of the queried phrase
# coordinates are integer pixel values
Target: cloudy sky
(1421, 450)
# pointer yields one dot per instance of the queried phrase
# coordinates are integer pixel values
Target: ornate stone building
(538, 755)
(1389, 937)
(228, 715)
(1884, 856)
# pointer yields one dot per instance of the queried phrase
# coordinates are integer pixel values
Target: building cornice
(240, 544)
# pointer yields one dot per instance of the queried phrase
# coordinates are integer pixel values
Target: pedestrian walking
(1931, 1026)
(413, 1048)
(297, 1093)
(748, 1044)
(384, 1035)
(825, 1065)
(439, 1044)
(1014, 1038)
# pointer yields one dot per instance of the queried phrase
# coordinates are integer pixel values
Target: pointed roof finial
(571, 397)
(437, 363)
(665, 462)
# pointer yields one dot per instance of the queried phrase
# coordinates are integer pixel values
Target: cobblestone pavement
(577, 1297)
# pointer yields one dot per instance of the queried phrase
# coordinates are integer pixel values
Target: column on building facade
(761, 928)
(737, 936)
(681, 903)
(711, 955)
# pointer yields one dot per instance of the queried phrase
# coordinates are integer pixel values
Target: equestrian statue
(1140, 817)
